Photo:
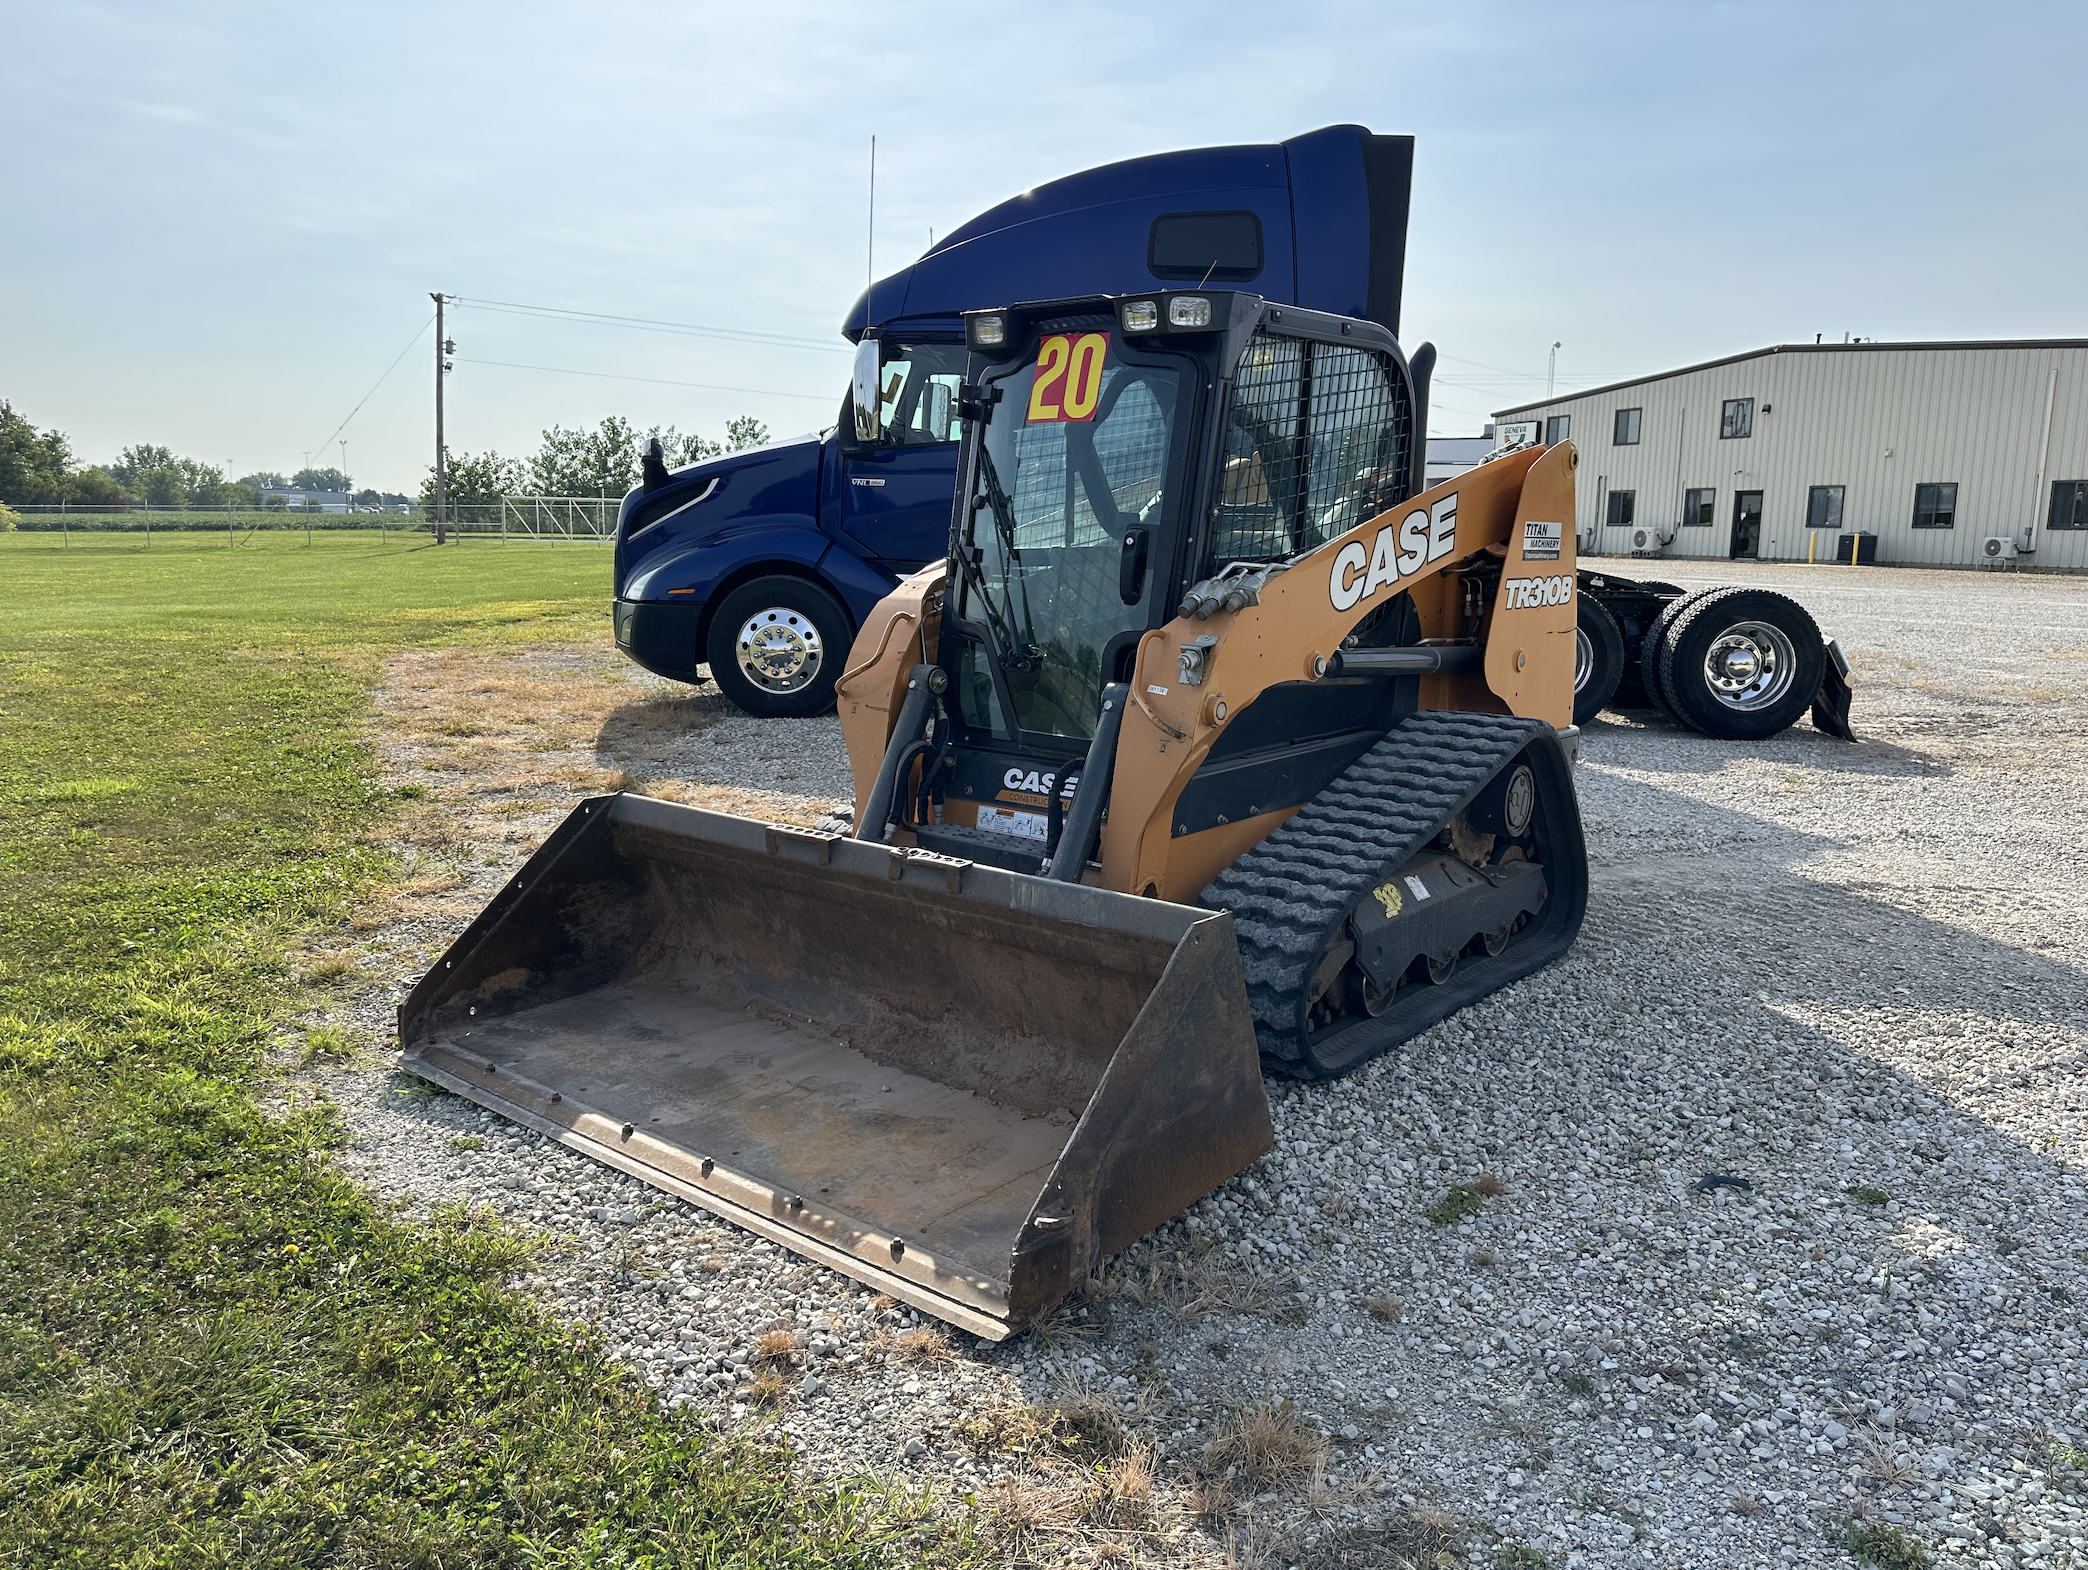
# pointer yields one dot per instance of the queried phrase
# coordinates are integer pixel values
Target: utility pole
(1551, 367)
(442, 350)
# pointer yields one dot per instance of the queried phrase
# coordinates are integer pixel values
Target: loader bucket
(962, 1086)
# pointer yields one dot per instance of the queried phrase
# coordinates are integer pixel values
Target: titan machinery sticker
(1067, 383)
(1398, 551)
(1521, 594)
(1541, 540)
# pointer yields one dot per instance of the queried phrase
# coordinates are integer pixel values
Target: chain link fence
(515, 518)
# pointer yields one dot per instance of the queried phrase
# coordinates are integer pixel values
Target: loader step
(1292, 896)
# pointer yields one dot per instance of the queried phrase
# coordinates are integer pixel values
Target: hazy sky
(224, 219)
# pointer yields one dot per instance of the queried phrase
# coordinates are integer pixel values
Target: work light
(1189, 310)
(1141, 316)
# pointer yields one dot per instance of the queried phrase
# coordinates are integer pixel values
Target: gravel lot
(1489, 1274)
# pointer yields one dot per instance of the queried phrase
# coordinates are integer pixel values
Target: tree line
(600, 462)
(39, 468)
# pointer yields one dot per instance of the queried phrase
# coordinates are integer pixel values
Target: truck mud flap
(963, 1086)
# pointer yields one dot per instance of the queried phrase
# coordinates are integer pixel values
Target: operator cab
(1119, 450)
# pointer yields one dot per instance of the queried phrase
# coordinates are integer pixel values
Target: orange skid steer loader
(1217, 746)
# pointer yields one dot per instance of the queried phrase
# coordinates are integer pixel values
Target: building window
(1557, 429)
(2069, 505)
(1823, 507)
(1622, 504)
(1935, 506)
(1737, 419)
(1697, 507)
(1627, 428)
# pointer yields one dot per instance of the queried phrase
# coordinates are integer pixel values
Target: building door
(1747, 523)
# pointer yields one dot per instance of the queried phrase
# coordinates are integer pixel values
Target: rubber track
(1290, 893)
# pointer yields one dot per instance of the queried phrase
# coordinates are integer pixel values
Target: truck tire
(776, 646)
(1598, 659)
(1742, 663)
(1650, 648)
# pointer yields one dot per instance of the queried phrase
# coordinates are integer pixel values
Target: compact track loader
(1216, 746)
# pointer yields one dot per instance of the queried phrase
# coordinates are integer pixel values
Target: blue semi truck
(762, 564)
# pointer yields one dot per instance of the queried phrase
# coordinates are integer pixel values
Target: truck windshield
(1076, 454)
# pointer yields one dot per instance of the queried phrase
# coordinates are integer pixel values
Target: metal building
(1930, 450)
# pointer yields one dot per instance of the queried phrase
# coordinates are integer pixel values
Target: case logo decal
(1398, 551)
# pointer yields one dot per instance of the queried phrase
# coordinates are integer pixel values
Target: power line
(657, 381)
(1461, 360)
(366, 397)
(652, 324)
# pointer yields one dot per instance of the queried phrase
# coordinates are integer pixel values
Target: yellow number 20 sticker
(1067, 383)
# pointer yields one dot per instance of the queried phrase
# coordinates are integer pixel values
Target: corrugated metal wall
(1877, 420)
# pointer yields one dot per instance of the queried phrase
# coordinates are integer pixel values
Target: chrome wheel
(780, 649)
(1749, 666)
(1583, 659)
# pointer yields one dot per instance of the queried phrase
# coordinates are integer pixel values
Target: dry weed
(925, 1346)
(1189, 1290)
(1482, 1257)
(768, 1388)
(1068, 1322)
(1418, 1539)
(1115, 1496)
(1270, 1444)
(1084, 1423)
(1384, 1307)
(1338, 1206)
(1209, 1498)
(1743, 1504)
(1490, 1184)
(327, 969)
(1886, 1464)
(776, 1346)
(1118, 1495)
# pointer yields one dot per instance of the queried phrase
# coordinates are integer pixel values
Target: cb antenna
(870, 247)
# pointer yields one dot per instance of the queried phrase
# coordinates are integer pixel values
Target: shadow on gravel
(1698, 754)
(657, 728)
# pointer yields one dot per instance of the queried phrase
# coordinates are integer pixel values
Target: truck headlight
(1189, 310)
(1141, 316)
(989, 332)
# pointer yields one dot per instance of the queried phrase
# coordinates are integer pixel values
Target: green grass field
(214, 1351)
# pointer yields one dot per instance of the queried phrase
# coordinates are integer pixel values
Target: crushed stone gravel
(1758, 1214)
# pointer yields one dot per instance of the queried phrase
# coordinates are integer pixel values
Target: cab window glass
(918, 393)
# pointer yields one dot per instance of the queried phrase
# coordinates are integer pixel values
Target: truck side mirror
(867, 398)
(939, 409)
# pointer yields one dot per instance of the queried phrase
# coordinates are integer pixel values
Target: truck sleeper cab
(761, 565)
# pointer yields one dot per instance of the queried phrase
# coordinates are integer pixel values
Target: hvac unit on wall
(1998, 548)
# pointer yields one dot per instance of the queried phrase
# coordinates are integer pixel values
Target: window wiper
(1011, 652)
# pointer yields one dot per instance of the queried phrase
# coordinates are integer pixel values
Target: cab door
(895, 497)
